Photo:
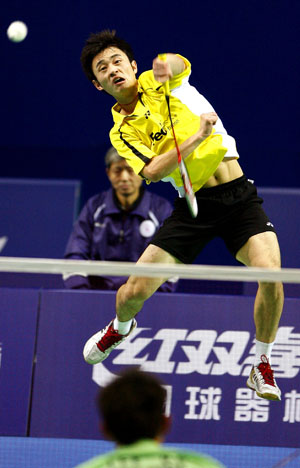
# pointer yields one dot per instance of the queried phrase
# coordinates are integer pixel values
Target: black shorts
(231, 211)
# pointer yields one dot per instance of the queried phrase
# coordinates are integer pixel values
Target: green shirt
(150, 454)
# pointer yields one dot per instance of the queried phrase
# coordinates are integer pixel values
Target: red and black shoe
(100, 345)
(262, 380)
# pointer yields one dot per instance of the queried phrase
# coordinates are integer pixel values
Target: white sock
(262, 348)
(122, 327)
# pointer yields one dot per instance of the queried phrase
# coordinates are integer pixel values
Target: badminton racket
(187, 185)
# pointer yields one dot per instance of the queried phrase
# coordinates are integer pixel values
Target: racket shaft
(188, 189)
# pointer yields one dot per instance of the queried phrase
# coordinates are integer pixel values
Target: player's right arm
(163, 164)
(164, 70)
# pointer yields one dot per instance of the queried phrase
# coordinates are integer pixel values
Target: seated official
(116, 225)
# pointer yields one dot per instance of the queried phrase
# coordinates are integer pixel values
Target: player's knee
(142, 290)
(273, 262)
(134, 291)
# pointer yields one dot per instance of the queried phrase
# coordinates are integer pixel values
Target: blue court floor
(22, 452)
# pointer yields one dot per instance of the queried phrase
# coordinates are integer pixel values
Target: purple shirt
(104, 231)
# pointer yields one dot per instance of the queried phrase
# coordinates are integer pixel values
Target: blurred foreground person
(132, 409)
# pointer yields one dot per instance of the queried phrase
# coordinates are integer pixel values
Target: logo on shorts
(270, 224)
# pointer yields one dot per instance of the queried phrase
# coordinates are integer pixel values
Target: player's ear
(134, 66)
(165, 425)
(97, 85)
(105, 431)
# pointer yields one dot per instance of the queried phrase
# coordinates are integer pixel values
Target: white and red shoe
(262, 380)
(100, 345)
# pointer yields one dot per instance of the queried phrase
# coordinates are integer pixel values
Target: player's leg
(262, 250)
(132, 295)
(179, 240)
(130, 299)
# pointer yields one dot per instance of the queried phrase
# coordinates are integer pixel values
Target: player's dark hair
(96, 43)
(132, 407)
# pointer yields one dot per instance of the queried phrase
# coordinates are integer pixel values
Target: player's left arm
(164, 70)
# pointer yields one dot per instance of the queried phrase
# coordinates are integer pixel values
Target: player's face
(123, 179)
(115, 74)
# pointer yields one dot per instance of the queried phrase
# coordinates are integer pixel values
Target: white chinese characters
(292, 407)
(249, 407)
(206, 399)
(205, 352)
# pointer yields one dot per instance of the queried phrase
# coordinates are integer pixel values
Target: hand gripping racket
(187, 185)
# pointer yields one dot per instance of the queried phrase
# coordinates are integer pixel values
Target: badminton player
(228, 201)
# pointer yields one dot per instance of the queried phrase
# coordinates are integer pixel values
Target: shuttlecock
(17, 31)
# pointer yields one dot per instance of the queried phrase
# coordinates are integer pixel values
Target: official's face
(123, 179)
(115, 74)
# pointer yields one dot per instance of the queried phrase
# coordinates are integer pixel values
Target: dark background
(245, 60)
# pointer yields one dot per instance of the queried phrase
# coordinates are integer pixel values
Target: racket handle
(166, 83)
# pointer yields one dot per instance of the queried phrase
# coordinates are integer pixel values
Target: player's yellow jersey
(147, 132)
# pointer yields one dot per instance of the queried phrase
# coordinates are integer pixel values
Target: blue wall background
(245, 60)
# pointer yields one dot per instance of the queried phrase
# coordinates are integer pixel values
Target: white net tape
(104, 268)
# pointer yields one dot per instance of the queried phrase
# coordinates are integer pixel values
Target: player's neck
(128, 107)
